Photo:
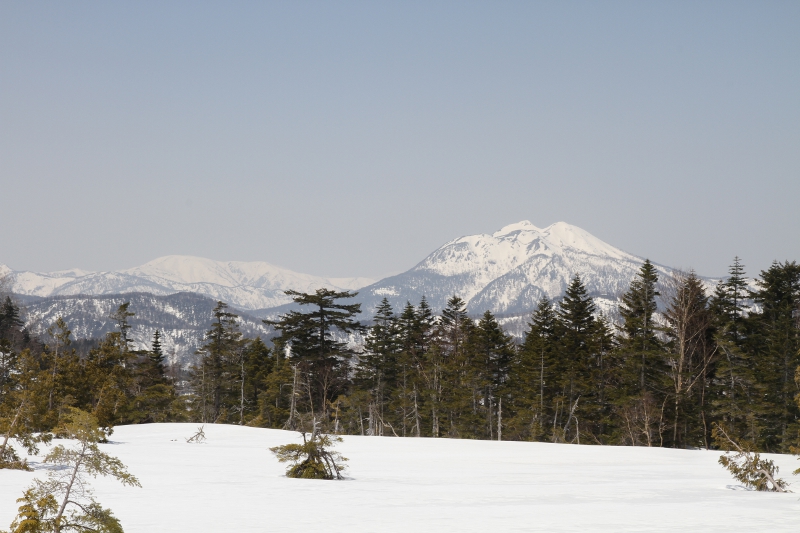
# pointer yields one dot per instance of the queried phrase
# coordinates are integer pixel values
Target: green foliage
(320, 359)
(313, 459)
(745, 464)
(64, 501)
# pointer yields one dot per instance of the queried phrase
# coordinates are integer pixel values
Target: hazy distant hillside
(182, 318)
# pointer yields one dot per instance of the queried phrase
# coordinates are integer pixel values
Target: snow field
(233, 483)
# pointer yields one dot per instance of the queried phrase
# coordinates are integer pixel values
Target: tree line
(654, 376)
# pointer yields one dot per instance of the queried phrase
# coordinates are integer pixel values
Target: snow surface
(233, 483)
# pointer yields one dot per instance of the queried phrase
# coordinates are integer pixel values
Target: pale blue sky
(353, 138)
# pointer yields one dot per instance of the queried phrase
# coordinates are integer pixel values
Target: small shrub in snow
(313, 459)
(745, 464)
(64, 502)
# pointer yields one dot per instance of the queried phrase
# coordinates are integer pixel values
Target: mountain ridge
(247, 285)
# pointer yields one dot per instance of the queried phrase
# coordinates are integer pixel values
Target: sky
(354, 138)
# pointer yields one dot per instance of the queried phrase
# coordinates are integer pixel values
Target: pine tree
(576, 326)
(315, 350)
(156, 354)
(735, 386)
(532, 378)
(258, 366)
(773, 340)
(64, 501)
(494, 351)
(377, 369)
(120, 316)
(214, 374)
(639, 340)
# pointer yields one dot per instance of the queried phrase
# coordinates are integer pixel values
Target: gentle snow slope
(232, 483)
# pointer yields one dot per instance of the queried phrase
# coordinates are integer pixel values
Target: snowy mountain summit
(245, 285)
(509, 270)
(505, 272)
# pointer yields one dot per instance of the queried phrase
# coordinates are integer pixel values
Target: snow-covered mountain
(505, 272)
(508, 271)
(182, 319)
(246, 285)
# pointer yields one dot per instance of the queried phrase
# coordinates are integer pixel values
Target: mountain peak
(566, 235)
(523, 225)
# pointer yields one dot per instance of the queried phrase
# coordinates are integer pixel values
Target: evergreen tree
(639, 340)
(455, 384)
(258, 365)
(120, 316)
(156, 355)
(773, 339)
(735, 389)
(214, 374)
(377, 369)
(575, 323)
(314, 349)
(494, 351)
(532, 377)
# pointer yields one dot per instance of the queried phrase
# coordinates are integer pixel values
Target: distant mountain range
(246, 285)
(505, 272)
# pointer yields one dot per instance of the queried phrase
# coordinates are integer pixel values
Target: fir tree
(576, 326)
(735, 387)
(320, 357)
(639, 339)
(214, 374)
(774, 343)
(532, 377)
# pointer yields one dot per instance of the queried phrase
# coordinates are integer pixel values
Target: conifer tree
(735, 387)
(377, 369)
(533, 376)
(314, 348)
(494, 351)
(774, 343)
(23, 413)
(64, 502)
(214, 374)
(639, 340)
(576, 325)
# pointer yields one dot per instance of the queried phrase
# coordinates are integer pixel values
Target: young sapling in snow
(745, 464)
(198, 437)
(65, 502)
(313, 459)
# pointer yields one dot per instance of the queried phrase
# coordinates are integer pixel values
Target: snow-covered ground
(233, 483)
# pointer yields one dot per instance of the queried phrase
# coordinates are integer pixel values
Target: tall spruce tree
(532, 379)
(377, 368)
(639, 339)
(735, 390)
(214, 374)
(774, 342)
(576, 326)
(494, 351)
